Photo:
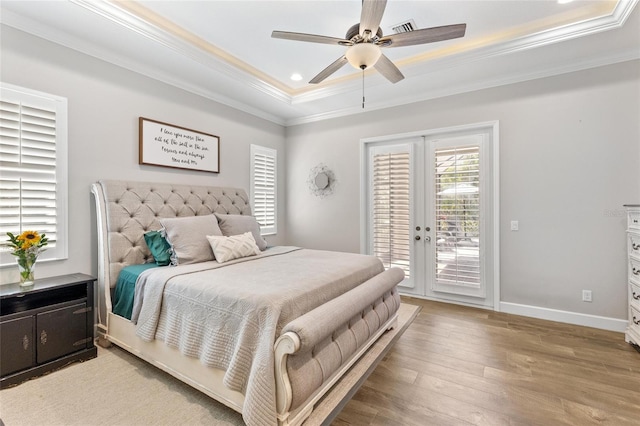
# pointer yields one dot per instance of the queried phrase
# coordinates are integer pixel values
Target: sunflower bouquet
(26, 247)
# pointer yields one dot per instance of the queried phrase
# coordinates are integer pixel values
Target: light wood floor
(458, 366)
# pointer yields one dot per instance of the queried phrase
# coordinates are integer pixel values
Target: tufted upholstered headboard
(126, 210)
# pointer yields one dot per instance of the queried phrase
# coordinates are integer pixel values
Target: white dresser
(633, 253)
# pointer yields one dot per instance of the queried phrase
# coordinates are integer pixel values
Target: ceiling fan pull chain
(362, 88)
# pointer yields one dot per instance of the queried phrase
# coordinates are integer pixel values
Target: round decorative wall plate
(321, 181)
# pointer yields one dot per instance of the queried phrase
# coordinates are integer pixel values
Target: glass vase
(26, 266)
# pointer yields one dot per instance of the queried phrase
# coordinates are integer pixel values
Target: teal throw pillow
(159, 247)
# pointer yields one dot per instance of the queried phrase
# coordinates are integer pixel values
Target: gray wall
(569, 159)
(569, 148)
(104, 104)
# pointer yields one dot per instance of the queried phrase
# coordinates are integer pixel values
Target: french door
(430, 208)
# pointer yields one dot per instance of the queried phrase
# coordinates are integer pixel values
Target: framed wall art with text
(167, 145)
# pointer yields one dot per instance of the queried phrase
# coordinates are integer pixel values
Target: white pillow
(233, 247)
(186, 235)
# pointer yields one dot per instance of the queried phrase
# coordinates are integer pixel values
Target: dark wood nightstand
(45, 326)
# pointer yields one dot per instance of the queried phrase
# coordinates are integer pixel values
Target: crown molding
(479, 85)
(249, 76)
(623, 10)
(117, 13)
(59, 37)
(615, 19)
(200, 52)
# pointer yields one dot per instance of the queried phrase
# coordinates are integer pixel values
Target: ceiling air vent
(404, 27)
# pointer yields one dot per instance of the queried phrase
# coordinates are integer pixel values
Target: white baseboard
(605, 323)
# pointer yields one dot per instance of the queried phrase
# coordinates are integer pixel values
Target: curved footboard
(316, 349)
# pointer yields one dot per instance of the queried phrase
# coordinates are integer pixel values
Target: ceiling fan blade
(310, 38)
(371, 15)
(426, 35)
(329, 70)
(388, 69)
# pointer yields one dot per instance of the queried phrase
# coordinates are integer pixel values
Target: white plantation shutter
(33, 167)
(391, 207)
(457, 204)
(263, 187)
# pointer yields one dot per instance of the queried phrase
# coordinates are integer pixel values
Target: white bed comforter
(229, 315)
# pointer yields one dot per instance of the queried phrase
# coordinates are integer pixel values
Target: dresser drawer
(634, 321)
(633, 216)
(634, 297)
(634, 270)
(633, 244)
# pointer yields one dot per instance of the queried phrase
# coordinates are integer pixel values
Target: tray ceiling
(223, 50)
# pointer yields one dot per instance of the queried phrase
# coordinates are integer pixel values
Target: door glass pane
(391, 206)
(457, 208)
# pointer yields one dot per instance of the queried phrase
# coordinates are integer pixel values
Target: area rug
(117, 388)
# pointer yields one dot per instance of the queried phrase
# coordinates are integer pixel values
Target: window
(457, 204)
(391, 206)
(33, 158)
(263, 187)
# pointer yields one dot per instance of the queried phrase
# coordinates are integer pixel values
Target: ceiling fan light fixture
(363, 55)
(366, 38)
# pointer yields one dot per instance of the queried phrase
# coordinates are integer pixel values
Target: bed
(266, 333)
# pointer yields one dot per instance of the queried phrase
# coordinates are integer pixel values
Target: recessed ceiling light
(564, 1)
(296, 77)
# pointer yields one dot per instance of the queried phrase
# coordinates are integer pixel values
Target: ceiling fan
(365, 40)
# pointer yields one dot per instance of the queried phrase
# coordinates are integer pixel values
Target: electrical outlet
(586, 296)
(514, 225)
